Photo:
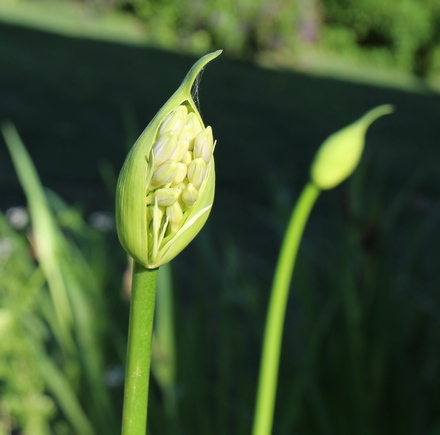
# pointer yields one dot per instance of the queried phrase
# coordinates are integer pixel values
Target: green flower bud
(157, 213)
(340, 154)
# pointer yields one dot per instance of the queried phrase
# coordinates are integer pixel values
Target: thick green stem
(137, 374)
(267, 385)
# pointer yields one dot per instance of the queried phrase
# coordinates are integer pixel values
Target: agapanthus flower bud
(190, 195)
(165, 174)
(165, 147)
(203, 144)
(175, 216)
(193, 123)
(175, 121)
(165, 193)
(165, 197)
(340, 154)
(181, 171)
(197, 172)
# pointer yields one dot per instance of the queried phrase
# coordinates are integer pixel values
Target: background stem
(137, 374)
(267, 384)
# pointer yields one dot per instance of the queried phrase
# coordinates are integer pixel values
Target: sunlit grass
(73, 19)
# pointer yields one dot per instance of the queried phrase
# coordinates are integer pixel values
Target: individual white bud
(181, 150)
(175, 216)
(165, 174)
(175, 121)
(181, 171)
(196, 127)
(196, 172)
(203, 144)
(187, 133)
(187, 159)
(166, 197)
(164, 147)
(190, 195)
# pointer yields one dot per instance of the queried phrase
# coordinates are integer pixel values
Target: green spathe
(131, 212)
(340, 154)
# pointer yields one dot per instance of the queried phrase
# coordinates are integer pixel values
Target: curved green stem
(267, 385)
(137, 373)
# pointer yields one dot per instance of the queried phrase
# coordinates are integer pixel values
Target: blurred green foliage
(241, 27)
(403, 35)
(54, 317)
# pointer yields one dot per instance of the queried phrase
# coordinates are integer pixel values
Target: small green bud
(164, 195)
(339, 155)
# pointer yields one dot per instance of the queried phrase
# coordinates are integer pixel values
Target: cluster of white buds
(179, 160)
(166, 186)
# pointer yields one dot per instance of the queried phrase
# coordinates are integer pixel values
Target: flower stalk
(137, 374)
(164, 195)
(335, 161)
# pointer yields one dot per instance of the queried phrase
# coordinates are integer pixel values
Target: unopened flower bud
(164, 195)
(165, 174)
(181, 151)
(165, 147)
(187, 133)
(181, 170)
(175, 121)
(187, 158)
(195, 126)
(175, 216)
(190, 195)
(203, 144)
(339, 155)
(196, 172)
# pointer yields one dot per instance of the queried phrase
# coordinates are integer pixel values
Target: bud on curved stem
(335, 161)
(160, 170)
(341, 152)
